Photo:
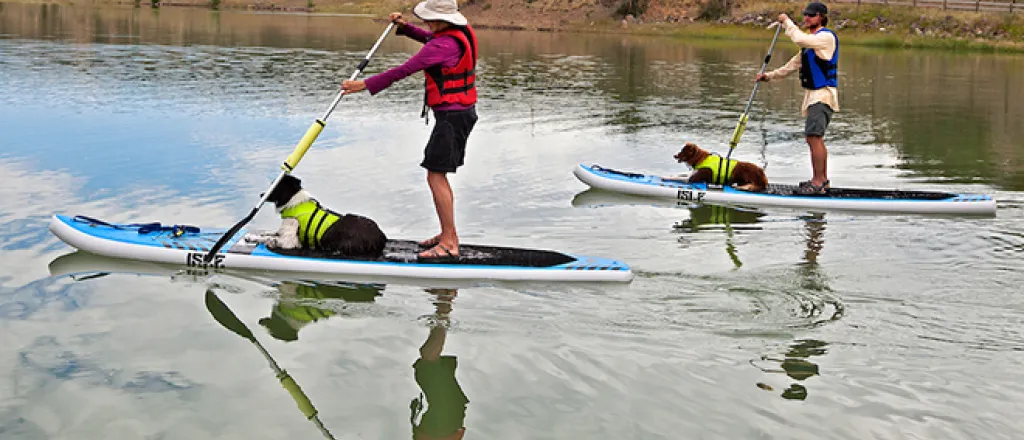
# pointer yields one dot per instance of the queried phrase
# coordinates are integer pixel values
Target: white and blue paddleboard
(188, 245)
(841, 199)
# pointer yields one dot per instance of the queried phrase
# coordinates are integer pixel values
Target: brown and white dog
(745, 175)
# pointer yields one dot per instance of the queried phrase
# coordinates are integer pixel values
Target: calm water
(739, 324)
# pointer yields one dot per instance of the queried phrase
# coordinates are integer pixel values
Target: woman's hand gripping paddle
(746, 112)
(300, 150)
(227, 318)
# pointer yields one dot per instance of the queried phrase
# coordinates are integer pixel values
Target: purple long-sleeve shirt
(443, 51)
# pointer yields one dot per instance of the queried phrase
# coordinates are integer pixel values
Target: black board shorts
(819, 115)
(446, 149)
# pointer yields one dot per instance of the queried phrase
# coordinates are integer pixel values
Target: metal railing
(1010, 6)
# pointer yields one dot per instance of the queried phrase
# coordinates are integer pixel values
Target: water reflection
(796, 365)
(303, 303)
(438, 412)
(812, 278)
(440, 391)
(704, 217)
(223, 315)
(713, 217)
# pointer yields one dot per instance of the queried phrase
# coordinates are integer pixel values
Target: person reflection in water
(797, 366)
(435, 374)
(301, 304)
(796, 363)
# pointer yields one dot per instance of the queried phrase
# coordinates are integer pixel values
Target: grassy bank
(867, 25)
(900, 26)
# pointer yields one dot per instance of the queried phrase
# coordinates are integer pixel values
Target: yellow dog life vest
(718, 166)
(313, 221)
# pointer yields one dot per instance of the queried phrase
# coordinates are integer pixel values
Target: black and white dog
(307, 225)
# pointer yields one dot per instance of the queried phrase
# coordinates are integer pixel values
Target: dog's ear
(285, 189)
(291, 182)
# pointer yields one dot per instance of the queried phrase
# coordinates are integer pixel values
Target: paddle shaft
(300, 150)
(764, 66)
(742, 124)
(223, 315)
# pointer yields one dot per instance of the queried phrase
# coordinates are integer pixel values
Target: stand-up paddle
(227, 318)
(746, 112)
(300, 150)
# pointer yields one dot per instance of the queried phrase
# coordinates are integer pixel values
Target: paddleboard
(188, 245)
(841, 199)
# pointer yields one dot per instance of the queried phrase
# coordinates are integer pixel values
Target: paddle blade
(300, 150)
(225, 317)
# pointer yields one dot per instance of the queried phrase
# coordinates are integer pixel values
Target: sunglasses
(810, 14)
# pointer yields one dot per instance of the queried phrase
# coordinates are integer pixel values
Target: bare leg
(432, 347)
(819, 159)
(444, 202)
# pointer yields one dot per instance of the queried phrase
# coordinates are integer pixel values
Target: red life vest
(454, 85)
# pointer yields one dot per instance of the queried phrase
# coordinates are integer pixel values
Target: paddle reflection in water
(704, 217)
(227, 318)
(303, 303)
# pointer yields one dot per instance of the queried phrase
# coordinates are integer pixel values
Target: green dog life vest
(313, 221)
(715, 163)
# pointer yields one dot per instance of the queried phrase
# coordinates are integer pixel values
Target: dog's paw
(260, 237)
(282, 242)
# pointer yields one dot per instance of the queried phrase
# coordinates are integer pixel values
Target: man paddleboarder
(817, 63)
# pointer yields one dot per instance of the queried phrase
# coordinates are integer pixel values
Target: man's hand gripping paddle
(300, 150)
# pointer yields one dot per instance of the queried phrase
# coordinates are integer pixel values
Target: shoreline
(867, 25)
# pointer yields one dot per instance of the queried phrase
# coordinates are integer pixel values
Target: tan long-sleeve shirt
(824, 46)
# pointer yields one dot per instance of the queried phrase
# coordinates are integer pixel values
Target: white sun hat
(440, 10)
